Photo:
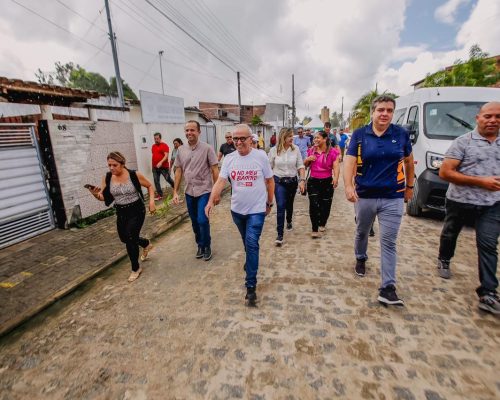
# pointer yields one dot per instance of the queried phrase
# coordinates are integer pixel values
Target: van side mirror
(412, 132)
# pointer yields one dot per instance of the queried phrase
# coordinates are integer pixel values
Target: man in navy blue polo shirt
(378, 179)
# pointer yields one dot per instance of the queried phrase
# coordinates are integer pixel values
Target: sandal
(145, 252)
(134, 275)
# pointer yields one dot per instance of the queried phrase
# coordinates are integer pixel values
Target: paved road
(182, 332)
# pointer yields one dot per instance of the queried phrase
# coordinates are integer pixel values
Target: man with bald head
(472, 166)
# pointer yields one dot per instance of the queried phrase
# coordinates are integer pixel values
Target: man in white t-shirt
(251, 200)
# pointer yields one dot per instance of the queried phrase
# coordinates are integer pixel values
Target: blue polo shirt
(379, 161)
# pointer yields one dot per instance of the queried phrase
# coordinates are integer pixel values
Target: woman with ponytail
(323, 161)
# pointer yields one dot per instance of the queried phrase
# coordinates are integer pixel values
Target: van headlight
(434, 160)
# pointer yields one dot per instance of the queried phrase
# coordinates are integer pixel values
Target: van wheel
(412, 207)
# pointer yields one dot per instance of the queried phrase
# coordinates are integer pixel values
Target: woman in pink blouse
(323, 160)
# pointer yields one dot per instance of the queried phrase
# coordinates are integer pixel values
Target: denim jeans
(320, 193)
(129, 221)
(199, 221)
(389, 213)
(285, 195)
(486, 221)
(157, 173)
(250, 227)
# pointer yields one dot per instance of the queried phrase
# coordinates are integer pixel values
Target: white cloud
(446, 13)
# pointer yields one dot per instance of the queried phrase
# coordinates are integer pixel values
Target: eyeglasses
(240, 139)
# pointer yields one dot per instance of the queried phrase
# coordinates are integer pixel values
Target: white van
(434, 117)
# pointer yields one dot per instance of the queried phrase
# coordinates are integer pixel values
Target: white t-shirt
(247, 174)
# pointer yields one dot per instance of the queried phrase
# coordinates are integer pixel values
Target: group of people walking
(378, 174)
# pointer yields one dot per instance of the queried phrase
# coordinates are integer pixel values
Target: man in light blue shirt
(302, 142)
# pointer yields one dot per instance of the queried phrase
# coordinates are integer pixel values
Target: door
(24, 201)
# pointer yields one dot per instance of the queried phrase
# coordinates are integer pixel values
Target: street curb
(71, 286)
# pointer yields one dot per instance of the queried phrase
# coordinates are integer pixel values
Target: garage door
(24, 202)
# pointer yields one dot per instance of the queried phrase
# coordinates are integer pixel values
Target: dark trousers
(157, 173)
(486, 221)
(284, 192)
(199, 221)
(320, 193)
(129, 220)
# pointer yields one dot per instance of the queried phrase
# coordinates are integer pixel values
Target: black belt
(129, 205)
(286, 180)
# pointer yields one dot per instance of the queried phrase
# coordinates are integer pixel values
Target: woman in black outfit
(123, 186)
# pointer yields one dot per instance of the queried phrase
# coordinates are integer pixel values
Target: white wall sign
(157, 108)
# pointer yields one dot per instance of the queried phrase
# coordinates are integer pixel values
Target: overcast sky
(335, 48)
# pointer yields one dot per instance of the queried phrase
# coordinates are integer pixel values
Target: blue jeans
(389, 213)
(250, 227)
(201, 225)
(284, 192)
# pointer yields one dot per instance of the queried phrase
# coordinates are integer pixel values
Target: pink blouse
(322, 167)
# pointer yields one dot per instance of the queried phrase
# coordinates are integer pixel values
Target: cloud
(446, 13)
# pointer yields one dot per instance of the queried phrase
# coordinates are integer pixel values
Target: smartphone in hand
(90, 187)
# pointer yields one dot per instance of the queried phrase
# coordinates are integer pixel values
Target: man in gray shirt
(472, 166)
(197, 162)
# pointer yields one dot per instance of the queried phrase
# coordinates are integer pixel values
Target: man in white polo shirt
(251, 200)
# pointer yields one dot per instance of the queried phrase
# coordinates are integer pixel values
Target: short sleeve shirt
(322, 167)
(303, 144)
(287, 163)
(478, 157)
(196, 163)
(226, 149)
(159, 151)
(380, 161)
(248, 174)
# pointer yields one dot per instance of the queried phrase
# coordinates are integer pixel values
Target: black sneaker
(444, 269)
(251, 297)
(199, 253)
(207, 254)
(388, 296)
(490, 302)
(289, 226)
(279, 240)
(360, 267)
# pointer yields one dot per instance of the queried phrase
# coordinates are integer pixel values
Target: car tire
(412, 207)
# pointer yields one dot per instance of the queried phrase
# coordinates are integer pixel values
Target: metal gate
(24, 200)
(208, 135)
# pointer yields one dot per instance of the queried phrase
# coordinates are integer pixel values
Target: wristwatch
(270, 205)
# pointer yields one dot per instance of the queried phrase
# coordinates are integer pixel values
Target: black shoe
(279, 240)
(444, 269)
(360, 267)
(372, 233)
(490, 302)
(207, 254)
(388, 296)
(289, 226)
(251, 297)
(199, 253)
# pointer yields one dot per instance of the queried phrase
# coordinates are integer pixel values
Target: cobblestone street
(182, 331)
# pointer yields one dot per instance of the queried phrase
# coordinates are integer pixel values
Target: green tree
(478, 70)
(361, 112)
(335, 119)
(128, 93)
(256, 120)
(74, 76)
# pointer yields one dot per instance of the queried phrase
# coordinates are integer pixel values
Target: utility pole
(342, 114)
(293, 101)
(119, 87)
(239, 95)
(160, 53)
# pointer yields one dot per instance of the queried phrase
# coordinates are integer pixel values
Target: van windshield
(450, 120)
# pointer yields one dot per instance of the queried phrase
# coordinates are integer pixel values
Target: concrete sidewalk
(39, 271)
